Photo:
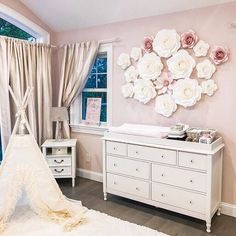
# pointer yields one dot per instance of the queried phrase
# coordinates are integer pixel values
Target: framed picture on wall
(93, 111)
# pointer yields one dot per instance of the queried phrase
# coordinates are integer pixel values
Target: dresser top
(166, 143)
(61, 143)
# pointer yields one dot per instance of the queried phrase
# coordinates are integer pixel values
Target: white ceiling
(63, 15)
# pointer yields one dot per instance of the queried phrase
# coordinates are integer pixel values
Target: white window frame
(76, 109)
(24, 23)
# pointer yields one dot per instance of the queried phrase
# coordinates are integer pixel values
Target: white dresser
(179, 176)
(61, 157)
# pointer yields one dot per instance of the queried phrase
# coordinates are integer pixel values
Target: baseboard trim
(228, 209)
(88, 174)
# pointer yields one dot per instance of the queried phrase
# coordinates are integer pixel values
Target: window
(98, 86)
(10, 30)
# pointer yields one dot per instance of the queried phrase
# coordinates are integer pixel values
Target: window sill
(89, 129)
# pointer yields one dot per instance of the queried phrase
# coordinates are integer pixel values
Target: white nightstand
(61, 157)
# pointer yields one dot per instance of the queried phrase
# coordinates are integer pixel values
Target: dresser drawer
(193, 160)
(179, 177)
(128, 167)
(61, 171)
(127, 185)
(59, 151)
(116, 148)
(152, 154)
(59, 161)
(178, 198)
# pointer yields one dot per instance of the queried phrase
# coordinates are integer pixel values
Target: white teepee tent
(24, 168)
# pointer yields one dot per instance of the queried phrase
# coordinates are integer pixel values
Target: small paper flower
(181, 64)
(166, 43)
(136, 53)
(186, 92)
(147, 44)
(144, 90)
(188, 39)
(150, 66)
(131, 74)
(164, 83)
(209, 87)
(219, 55)
(201, 49)
(123, 60)
(165, 105)
(205, 69)
(127, 90)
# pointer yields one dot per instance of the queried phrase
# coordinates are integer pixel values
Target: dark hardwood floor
(91, 195)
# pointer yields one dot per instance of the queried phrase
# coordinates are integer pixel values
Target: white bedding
(143, 130)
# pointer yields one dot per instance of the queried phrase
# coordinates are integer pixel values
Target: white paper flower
(166, 43)
(205, 69)
(201, 49)
(123, 60)
(131, 74)
(144, 90)
(181, 64)
(150, 66)
(165, 105)
(209, 87)
(127, 90)
(186, 92)
(136, 53)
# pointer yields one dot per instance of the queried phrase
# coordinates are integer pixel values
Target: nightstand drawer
(59, 161)
(61, 171)
(59, 151)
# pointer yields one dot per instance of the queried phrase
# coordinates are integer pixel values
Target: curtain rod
(104, 41)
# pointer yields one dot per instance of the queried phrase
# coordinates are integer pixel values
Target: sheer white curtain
(25, 64)
(77, 61)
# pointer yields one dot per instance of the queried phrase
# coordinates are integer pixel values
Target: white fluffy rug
(25, 222)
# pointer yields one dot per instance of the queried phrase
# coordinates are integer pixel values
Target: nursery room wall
(212, 25)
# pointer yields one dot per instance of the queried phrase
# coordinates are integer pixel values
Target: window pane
(91, 82)
(10, 30)
(101, 64)
(102, 81)
(103, 95)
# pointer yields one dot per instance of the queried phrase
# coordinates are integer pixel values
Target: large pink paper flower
(188, 39)
(219, 55)
(164, 83)
(147, 44)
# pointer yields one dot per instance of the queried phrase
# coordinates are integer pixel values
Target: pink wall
(212, 25)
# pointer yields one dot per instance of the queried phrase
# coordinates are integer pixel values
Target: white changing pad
(142, 130)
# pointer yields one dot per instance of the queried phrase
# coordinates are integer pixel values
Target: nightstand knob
(59, 171)
(114, 148)
(190, 202)
(137, 169)
(115, 165)
(191, 161)
(163, 195)
(136, 152)
(58, 162)
(191, 181)
(162, 156)
(137, 188)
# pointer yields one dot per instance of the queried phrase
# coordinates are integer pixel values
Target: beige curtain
(24, 64)
(77, 60)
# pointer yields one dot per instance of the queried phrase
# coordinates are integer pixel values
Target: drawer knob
(191, 181)
(162, 175)
(163, 195)
(190, 202)
(191, 161)
(137, 188)
(58, 162)
(114, 148)
(115, 165)
(115, 183)
(137, 169)
(59, 171)
(137, 152)
(162, 156)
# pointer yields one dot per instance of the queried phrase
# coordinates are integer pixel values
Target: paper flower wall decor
(173, 68)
